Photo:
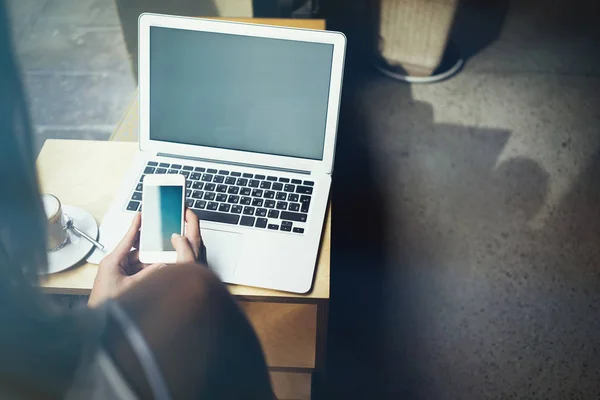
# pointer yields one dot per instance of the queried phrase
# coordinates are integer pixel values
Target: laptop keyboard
(230, 197)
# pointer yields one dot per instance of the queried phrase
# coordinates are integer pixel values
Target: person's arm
(203, 343)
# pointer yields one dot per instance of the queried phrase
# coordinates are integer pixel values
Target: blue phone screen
(161, 217)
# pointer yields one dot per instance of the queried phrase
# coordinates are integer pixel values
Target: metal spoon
(82, 233)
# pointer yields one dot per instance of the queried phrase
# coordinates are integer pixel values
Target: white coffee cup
(57, 231)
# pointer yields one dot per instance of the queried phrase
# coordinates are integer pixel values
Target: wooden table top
(92, 173)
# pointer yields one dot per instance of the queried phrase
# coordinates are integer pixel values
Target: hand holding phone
(162, 216)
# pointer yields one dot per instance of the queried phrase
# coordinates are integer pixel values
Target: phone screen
(161, 217)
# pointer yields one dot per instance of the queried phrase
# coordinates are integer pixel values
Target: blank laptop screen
(239, 92)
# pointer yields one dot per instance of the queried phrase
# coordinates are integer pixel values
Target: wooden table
(292, 328)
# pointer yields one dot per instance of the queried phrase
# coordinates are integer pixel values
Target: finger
(192, 231)
(183, 248)
(133, 257)
(136, 242)
(126, 243)
(144, 270)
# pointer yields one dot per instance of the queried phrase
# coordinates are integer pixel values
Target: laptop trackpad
(222, 251)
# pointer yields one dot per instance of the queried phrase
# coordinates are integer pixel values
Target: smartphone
(162, 215)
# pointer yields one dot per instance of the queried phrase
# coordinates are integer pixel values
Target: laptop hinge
(294, 171)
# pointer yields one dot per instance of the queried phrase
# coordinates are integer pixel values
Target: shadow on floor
(130, 10)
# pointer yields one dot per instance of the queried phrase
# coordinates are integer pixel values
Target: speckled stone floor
(466, 218)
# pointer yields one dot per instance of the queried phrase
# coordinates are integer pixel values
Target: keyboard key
(247, 175)
(304, 189)
(212, 206)
(164, 165)
(133, 205)
(197, 194)
(284, 180)
(209, 196)
(152, 163)
(282, 205)
(217, 217)
(236, 174)
(195, 176)
(223, 172)
(261, 223)
(236, 209)
(149, 170)
(211, 171)
(277, 186)
(297, 181)
(142, 178)
(188, 184)
(246, 201)
(253, 183)
(233, 199)
(219, 179)
(249, 210)
(294, 207)
(309, 183)
(286, 223)
(185, 173)
(247, 221)
(292, 216)
(224, 207)
(289, 188)
(270, 203)
(304, 203)
(233, 190)
(200, 204)
(197, 185)
(259, 176)
(257, 193)
(273, 227)
(188, 168)
(230, 180)
(257, 202)
(272, 178)
(210, 187)
(221, 197)
(286, 228)
(199, 169)
(222, 188)
(281, 196)
(261, 212)
(269, 194)
(161, 171)
(172, 171)
(136, 196)
(273, 214)
(245, 191)
(293, 197)
(265, 185)
(242, 182)
(190, 203)
(139, 187)
(175, 166)
(207, 178)
(188, 192)
(298, 230)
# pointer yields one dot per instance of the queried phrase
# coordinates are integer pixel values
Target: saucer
(77, 247)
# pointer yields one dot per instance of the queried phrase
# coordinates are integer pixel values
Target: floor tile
(23, 15)
(72, 100)
(83, 12)
(60, 47)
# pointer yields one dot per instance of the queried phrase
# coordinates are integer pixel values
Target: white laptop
(248, 114)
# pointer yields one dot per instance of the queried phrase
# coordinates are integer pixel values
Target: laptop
(248, 114)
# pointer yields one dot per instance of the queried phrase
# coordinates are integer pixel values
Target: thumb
(183, 248)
